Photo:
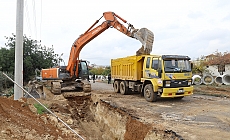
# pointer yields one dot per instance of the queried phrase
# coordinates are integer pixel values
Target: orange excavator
(75, 75)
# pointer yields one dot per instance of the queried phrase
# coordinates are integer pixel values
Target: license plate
(180, 91)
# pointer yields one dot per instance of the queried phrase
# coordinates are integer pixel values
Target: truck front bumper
(177, 92)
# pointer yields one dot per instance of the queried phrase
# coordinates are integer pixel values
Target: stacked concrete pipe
(226, 79)
(208, 82)
(196, 79)
(219, 80)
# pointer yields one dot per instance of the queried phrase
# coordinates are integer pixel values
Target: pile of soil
(19, 122)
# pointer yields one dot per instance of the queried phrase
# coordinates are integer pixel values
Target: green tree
(198, 66)
(35, 56)
(106, 71)
(100, 71)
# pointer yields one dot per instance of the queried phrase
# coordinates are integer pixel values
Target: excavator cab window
(84, 67)
(83, 70)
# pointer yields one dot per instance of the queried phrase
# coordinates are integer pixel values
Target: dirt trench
(97, 119)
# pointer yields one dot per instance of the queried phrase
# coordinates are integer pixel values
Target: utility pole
(18, 69)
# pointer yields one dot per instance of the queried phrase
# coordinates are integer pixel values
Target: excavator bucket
(35, 89)
(146, 37)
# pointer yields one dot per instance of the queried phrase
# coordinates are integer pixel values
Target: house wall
(214, 70)
(227, 69)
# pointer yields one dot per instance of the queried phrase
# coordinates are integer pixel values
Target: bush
(4, 81)
(40, 108)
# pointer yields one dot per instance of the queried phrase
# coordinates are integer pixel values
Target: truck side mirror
(191, 65)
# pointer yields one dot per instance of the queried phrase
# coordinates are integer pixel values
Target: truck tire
(149, 95)
(123, 88)
(116, 87)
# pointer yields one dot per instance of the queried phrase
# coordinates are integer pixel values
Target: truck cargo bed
(127, 68)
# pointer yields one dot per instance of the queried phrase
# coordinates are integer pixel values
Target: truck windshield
(174, 65)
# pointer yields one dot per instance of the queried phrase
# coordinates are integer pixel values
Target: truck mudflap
(177, 92)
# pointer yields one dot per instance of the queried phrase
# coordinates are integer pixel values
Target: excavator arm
(64, 78)
(91, 33)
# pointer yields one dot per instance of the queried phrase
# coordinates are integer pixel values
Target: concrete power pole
(18, 70)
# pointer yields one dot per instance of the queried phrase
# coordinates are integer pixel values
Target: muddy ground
(102, 114)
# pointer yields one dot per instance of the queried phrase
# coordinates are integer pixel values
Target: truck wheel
(123, 88)
(149, 95)
(116, 87)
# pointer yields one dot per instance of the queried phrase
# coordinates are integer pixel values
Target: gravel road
(101, 86)
(196, 117)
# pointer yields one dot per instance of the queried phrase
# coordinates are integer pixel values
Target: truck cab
(170, 76)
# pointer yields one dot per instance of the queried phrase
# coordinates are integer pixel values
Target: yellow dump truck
(153, 76)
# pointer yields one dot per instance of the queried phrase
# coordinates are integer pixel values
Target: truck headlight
(189, 82)
(167, 83)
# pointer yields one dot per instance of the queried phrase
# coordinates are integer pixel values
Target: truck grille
(176, 83)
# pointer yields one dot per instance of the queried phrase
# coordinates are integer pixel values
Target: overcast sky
(185, 27)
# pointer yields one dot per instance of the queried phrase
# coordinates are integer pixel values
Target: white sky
(186, 27)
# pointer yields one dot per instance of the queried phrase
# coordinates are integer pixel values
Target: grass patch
(40, 108)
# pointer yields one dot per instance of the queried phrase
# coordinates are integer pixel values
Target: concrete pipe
(196, 79)
(226, 79)
(219, 80)
(208, 79)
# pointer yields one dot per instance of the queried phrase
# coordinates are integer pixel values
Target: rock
(69, 121)
(60, 125)
(7, 132)
(53, 120)
(44, 119)
(29, 137)
(32, 108)
(25, 130)
(33, 132)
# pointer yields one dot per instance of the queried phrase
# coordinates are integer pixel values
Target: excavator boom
(76, 73)
(144, 35)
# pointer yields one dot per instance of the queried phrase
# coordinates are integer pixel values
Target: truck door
(156, 69)
(146, 67)
(152, 67)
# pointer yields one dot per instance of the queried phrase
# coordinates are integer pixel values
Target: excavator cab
(83, 71)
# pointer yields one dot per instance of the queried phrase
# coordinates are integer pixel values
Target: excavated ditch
(98, 119)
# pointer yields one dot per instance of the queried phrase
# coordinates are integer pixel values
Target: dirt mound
(19, 122)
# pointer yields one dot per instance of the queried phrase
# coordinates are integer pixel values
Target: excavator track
(56, 87)
(85, 87)
(146, 37)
